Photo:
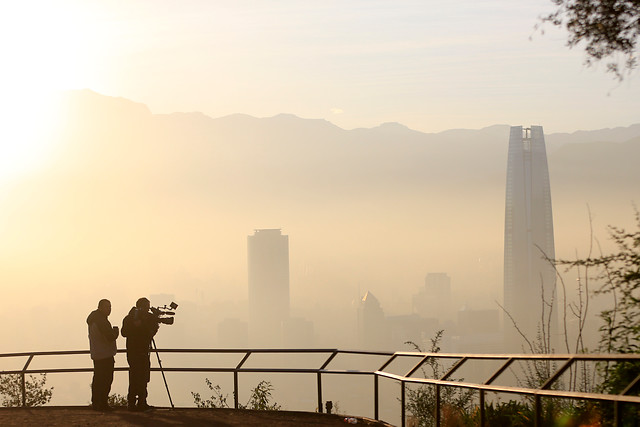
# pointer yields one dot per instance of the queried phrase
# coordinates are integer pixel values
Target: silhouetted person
(102, 345)
(139, 326)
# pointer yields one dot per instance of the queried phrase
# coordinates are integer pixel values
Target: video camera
(164, 314)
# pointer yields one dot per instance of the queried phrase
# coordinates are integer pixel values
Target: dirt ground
(164, 417)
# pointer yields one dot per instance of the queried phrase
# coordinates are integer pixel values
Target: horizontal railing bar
(515, 390)
(244, 350)
(520, 356)
(47, 353)
(201, 369)
(364, 352)
(207, 350)
(576, 357)
(271, 350)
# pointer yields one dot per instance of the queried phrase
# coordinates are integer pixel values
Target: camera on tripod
(165, 313)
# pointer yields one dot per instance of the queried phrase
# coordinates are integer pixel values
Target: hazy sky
(429, 64)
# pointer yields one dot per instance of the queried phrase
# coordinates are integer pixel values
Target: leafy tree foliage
(608, 28)
(36, 392)
(619, 276)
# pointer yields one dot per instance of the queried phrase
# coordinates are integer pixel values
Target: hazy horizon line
(383, 124)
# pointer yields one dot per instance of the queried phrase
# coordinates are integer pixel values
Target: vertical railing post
(617, 416)
(538, 409)
(236, 403)
(24, 390)
(319, 392)
(482, 421)
(334, 353)
(23, 384)
(437, 414)
(376, 409)
(236, 392)
(403, 410)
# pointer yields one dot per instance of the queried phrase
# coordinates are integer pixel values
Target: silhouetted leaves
(36, 393)
(608, 28)
(260, 398)
(456, 403)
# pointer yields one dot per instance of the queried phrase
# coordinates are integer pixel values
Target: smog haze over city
(143, 141)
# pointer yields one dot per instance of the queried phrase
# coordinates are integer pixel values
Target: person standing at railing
(139, 326)
(102, 346)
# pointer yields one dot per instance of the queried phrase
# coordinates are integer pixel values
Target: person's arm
(106, 330)
(126, 326)
(150, 327)
(130, 324)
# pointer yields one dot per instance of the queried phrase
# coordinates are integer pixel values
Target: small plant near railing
(455, 403)
(260, 398)
(117, 400)
(37, 394)
(521, 414)
(508, 414)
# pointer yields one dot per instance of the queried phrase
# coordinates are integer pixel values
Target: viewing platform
(384, 384)
(85, 416)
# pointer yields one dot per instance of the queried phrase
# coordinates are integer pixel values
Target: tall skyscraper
(268, 265)
(528, 238)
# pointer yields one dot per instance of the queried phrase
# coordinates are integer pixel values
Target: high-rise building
(529, 277)
(373, 331)
(268, 264)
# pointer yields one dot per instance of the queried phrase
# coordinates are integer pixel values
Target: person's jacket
(139, 328)
(102, 336)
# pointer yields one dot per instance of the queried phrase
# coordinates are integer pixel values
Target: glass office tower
(529, 277)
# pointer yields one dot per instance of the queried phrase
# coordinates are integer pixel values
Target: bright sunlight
(43, 51)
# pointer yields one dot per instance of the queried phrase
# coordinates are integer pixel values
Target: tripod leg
(153, 341)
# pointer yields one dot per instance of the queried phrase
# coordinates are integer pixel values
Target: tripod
(153, 341)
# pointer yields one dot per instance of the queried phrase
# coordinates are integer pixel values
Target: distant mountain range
(289, 152)
(141, 197)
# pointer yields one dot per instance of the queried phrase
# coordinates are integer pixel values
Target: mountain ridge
(618, 133)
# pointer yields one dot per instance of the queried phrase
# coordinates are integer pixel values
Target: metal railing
(565, 362)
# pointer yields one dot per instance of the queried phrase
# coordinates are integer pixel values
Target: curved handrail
(324, 369)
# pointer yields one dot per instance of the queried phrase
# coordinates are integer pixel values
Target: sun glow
(42, 46)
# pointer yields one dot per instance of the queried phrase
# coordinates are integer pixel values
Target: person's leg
(132, 396)
(108, 379)
(138, 377)
(95, 385)
(100, 386)
(145, 376)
